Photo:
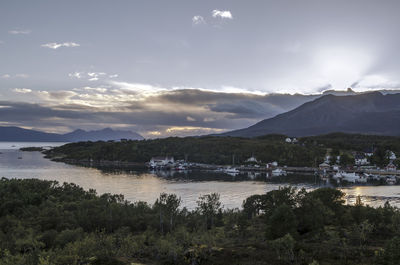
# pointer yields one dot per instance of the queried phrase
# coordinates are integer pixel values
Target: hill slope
(370, 113)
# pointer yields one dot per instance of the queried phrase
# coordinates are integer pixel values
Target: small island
(32, 149)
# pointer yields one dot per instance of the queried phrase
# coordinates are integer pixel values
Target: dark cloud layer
(197, 109)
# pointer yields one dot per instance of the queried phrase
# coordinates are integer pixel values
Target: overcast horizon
(165, 68)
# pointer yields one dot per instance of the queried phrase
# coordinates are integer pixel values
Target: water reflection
(136, 184)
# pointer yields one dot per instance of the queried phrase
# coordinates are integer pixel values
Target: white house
(252, 159)
(161, 161)
(391, 167)
(327, 159)
(291, 140)
(391, 155)
(272, 164)
(369, 152)
(324, 166)
(360, 160)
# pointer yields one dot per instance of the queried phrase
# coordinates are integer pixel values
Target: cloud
(54, 45)
(57, 96)
(222, 14)
(87, 88)
(75, 75)
(22, 90)
(95, 76)
(207, 119)
(375, 82)
(151, 110)
(198, 20)
(154, 133)
(21, 76)
(140, 90)
(6, 76)
(17, 32)
(91, 76)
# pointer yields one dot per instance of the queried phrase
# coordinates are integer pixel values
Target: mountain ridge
(17, 134)
(368, 113)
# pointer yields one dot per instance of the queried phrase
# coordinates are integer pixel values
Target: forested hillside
(308, 151)
(210, 150)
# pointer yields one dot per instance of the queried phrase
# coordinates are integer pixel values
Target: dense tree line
(210, 150)
(359, 142)
(309, 151)
(43, 222)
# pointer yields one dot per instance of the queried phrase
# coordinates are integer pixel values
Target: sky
(186, 67)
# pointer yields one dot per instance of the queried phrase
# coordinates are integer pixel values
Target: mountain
(369, 113)
(104, 134)
(16, 134)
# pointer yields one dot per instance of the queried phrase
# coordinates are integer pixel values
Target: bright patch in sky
(341, 67)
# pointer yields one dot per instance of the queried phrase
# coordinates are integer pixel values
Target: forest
(45, 222)
(307, 151)
(208, 149)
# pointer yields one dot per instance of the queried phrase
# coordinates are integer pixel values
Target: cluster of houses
(256, 163)
(168, 163)
(361, 159)
(161, 161)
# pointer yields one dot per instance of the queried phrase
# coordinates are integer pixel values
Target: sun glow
(342, 66)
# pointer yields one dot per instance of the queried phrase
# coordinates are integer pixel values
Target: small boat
(180, 167)
(231, 170)
(20, 157)
(362, 179)
(391, 180)
(350, 177)
(278, 172)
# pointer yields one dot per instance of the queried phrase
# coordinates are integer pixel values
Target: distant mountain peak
(106, 134)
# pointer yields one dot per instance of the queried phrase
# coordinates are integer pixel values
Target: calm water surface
(147, 186)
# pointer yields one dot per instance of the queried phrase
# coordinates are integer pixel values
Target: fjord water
(146, 186)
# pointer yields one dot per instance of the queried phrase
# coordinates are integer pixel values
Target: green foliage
(209, 206)
(308, 152)
(43, 222)
(392, 253)
(284, 247)
(209, 149)
(168, 207)
(282, 221)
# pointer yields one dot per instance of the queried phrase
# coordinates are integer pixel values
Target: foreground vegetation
(42, 222)
(308, 151)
